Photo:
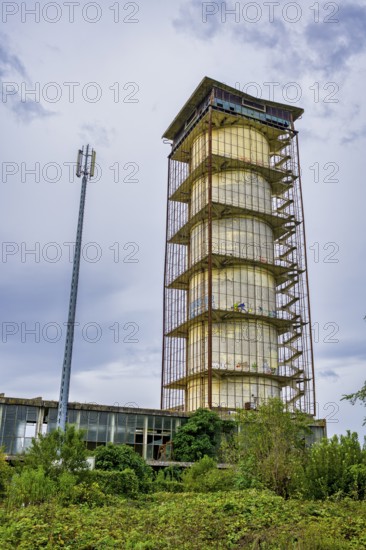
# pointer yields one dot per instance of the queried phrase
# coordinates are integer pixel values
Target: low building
(146, 430)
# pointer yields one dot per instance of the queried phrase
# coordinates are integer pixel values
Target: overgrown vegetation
(273, 492)
(269, 450)
(204, 477)
(336, 467)
(5, 474)
(222, 520)
(118, 459)
(58, 452)
(199, 437)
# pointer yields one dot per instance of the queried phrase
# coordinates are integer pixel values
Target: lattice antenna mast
(88, 160)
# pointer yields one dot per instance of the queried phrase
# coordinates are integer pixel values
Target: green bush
(199, 437)
(30, 487)
(205, 477)
(119, 457)
(172, 473)
(168, 486)
(5, 474)
(88, 493)
(247, 476)
(58, 451)
(269, 449)
(357, 481)
(336, 467)
(65, 487)
(116, 483)
(165, 482)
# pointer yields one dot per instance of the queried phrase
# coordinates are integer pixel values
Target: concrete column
(78, 417)
(112, 427)
(1, 426)
(40, 418)
(144, 438)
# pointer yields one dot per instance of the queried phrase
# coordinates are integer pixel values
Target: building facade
(148, 431)
(236, 305)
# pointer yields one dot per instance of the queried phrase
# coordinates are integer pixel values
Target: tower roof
(201, 92)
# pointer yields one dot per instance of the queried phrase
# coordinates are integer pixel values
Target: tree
(336, 466)
(121, 457)
(270, 448)
(57, 452)
(200, 436)
(360, 395)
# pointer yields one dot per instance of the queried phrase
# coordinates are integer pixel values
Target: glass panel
(139, 421)
(31, 414)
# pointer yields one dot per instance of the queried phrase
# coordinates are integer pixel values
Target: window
(253, 105)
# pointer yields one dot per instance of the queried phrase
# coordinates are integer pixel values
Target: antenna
(79, 161)
(88, 172)
(92, 164)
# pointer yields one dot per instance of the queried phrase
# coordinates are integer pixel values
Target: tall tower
(236, 307)
(85, 165)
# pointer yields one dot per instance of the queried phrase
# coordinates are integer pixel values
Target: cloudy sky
(114, 75)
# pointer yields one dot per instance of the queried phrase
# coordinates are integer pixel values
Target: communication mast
(88, 160)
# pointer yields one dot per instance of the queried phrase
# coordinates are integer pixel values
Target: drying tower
(237, 325)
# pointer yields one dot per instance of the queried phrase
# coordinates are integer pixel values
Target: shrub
(357, 481)
(247, 474)
(116, 483)
(65, 487)
(5, 474)
(30, 487)
(119, 457)
(336, 466)
(58, 451)
(166, 483)
(172, 473)
(88, 493)
(270, 448)
(204, 477)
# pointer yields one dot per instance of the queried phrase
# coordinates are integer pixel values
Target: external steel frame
(212, 107)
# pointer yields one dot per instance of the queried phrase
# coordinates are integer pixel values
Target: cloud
(27, 111)
(334, 43)
(344, 351)
(268, 35)
(9, 62)
(97, 134)
(329, 374)
(354, 135)
(324, 41)
(11, 67)
(192, 20)
(133, 377)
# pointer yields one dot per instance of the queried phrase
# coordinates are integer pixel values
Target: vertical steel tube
(164, 357)
(66, 367)
(306, 278)
(209, 274)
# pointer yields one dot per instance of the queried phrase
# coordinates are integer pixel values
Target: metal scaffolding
(237, 327)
